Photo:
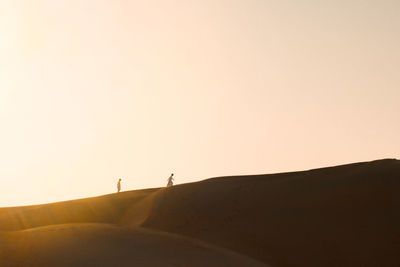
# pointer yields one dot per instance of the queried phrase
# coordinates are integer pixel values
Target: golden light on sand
(118, 112)
(250, 221)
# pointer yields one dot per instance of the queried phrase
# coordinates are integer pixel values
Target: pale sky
(94, 90)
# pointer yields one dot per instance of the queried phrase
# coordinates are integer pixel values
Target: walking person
(119, 185)
(170, 180)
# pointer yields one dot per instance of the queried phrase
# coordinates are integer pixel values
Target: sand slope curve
(347, 215)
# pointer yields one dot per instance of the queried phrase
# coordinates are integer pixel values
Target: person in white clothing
(119, 185)
(170, 180)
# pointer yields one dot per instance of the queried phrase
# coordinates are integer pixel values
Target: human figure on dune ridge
(170, 180)
(119, 185)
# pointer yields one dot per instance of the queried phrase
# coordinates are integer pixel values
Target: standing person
(170, 180)
(119, 185)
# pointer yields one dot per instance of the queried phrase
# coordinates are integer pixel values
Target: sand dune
(95, 244)
(104, 209)
(340, 216)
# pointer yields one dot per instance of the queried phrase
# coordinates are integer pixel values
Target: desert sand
(347, 215)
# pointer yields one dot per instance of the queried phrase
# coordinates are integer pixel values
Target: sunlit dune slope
(103, 209)
(339, 216)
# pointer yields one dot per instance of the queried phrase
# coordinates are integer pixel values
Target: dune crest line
(333, 216)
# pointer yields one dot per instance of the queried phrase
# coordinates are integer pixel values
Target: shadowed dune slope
(95, 244)
(339, 216)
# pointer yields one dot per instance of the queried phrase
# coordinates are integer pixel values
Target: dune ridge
(347, 215)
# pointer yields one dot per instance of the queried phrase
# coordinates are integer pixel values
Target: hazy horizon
(92, 91)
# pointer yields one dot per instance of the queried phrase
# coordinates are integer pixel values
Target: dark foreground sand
(340, 216)
(94, 244)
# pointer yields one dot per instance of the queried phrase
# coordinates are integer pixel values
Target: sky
(96, 90)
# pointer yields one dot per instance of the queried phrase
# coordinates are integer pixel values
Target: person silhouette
(119, 185)
(170, 180)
